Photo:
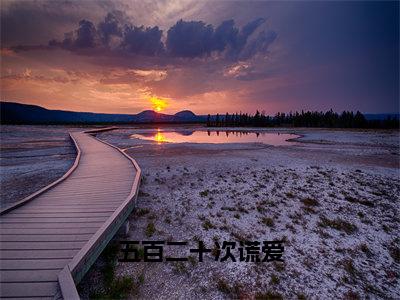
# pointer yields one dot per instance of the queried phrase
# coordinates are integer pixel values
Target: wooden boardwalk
(50, 240)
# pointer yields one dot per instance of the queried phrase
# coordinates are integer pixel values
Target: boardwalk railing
(81, 263)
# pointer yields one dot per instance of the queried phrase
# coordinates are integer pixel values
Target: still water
(217, 137)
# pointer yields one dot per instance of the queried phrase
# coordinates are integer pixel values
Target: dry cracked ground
(336, 210)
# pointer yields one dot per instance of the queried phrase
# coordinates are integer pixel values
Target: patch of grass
(364, 248)
(119, 288)
(268, 221)
(386, 228)
(274, 279)
(337, 224)
(242, 209)
(208, 225)
(348, 266)
(289, 195)
(309, 202)
(142, 211)
(143, 194)
(350, 295)
(204, 193)
(141, 278)
(301, 296)
(223, 286)
(238, 236)
(114, 288)
(268, 296)
(232, 291)
(279, 266)
(109, 255)
(180, 267)
(228, 208)
(192, 260)
(362, 201)
(150, 229)
(394, 252)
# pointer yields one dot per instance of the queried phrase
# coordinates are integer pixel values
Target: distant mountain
(152, 116)
(185, 114)
(16, 113)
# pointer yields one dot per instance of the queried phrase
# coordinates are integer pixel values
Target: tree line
(329, 119)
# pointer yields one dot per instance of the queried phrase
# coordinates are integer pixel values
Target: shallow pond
(216, 137)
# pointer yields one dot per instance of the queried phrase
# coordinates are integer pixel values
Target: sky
(204, 56)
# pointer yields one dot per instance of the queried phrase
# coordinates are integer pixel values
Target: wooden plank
(33, 264)
(37, 254)
(55, 220)
(33, 298)
(45, 237)
(49, 231)
(95, 188)
(59, 214)
(40, 225)
(37, 289)
(29, 245)
(29, 275)
(112, 197)
(87, 193)
(70, 209)
(111, 176)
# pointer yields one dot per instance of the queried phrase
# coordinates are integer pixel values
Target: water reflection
(160, 138)
(188, 136)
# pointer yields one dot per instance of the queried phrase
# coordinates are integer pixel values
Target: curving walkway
(49, 241)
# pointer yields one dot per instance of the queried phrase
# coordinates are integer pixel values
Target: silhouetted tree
(329, 119)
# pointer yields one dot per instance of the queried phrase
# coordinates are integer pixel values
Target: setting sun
(158, 104)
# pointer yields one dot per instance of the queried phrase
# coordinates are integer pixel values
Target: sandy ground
(333, 198)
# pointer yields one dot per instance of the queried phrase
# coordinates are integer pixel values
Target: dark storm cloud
(197, 39)
(190, 39)
(258, 45)
(225, 34)
(109, 27)
(185, 39)
(86, 35)
(141, 40)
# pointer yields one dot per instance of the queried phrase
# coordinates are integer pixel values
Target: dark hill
(16, 113)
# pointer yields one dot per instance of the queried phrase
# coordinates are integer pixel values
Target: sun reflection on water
(193, 136)
(160, 137)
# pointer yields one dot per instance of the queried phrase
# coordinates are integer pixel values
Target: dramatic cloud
(196, 39)
(109, 28)
(258, 45)
(185, 39)
(190, 39)
(144, 41)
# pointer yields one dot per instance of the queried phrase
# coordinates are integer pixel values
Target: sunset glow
(158, 104)
(159, 137)
(124, 57)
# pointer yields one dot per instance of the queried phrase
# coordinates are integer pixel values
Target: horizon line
(222, 114)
